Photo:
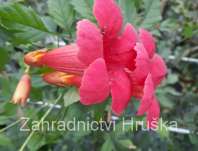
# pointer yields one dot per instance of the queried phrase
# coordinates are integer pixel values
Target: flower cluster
(108, 58)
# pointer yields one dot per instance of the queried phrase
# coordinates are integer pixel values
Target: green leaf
(169, 25)
(62, 12)
(9, 35)
(4, 120)
(193, 138)
(152, 14)
(165, 101)
(5, 141)
(83, 7)
(22, 15)
(23, 22)
(49, 23)
(4, 35)
(8, 110)
(172, 78)
(25, 34)
(129, 10)
(127, 144)
(81, 132)
(4, 58)
(71, 97)
(36, 142)
(188, 31)
(108, 145)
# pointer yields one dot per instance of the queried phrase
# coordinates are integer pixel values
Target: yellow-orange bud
(34, 58)
(22, 91)
(62, 79)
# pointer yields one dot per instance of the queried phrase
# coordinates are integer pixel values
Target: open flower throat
(108, 59)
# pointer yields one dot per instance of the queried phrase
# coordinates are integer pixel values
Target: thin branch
(41, 120)
(185, 59)
(11, 125)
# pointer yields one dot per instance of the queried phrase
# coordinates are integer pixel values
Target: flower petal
(120, 91)
(142, 64)
(122, 51)
(89, 40)
(122, 60)
(147, 96)
(126, 41)
(95, 83)
(109, 17)
(153, 114)
(64, 59)
(158, 69)
(137, 89)
(148, 41)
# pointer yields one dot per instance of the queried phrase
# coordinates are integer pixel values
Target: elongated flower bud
(34, 58)
(22, 91)
(62, 79)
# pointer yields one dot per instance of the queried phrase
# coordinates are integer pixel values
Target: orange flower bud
(22, 91)
(62, 79)
(33, 58)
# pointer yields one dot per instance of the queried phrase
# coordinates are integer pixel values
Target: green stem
(9, 126)
(27, 70)
(41, 120)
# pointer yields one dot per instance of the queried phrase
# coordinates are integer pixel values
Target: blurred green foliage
(26, 25)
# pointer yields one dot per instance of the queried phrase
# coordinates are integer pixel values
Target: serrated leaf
(62, 12)
(83, 7)
(71, 96)
(49, 23)
(24, 33)
(152, 14)
(24, 23)
(22, 15)
(129, 10)
(4, 35)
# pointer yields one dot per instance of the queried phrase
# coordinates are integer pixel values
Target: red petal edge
(95, 83)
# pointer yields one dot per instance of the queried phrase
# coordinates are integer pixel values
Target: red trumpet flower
(110, 60)
(101, 57)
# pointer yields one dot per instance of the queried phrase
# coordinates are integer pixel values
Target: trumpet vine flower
(101, 55)
(109, 58)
